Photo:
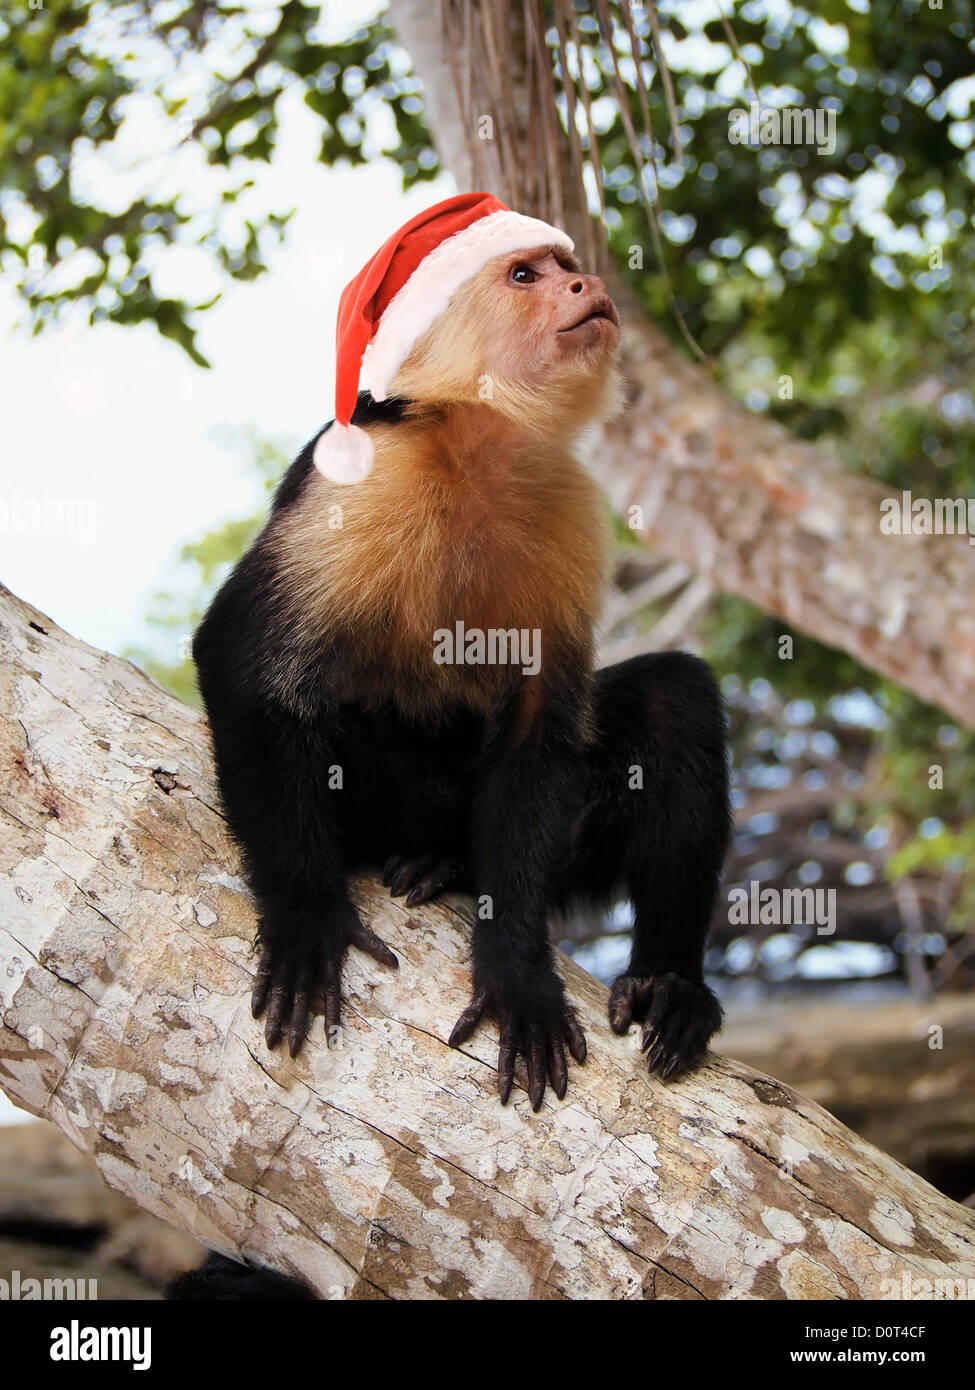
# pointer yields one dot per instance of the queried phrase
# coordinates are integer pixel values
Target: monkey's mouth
(603, 310)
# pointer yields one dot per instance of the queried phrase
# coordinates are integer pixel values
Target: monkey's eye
(522, 275)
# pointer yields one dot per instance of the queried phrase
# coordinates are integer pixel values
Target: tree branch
(385, 1168)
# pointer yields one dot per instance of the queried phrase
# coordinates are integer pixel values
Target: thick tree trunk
(755, 511)
(385, 1168)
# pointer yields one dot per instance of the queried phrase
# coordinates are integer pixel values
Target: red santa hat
(400, 293)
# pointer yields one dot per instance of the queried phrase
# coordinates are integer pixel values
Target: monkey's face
(560, 315)
(531, 335)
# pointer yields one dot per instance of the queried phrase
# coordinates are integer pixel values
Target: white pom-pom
(344, 454)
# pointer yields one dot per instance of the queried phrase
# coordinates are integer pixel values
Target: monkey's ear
(343, 453)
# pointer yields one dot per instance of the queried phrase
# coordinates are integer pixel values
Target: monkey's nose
(592, 283)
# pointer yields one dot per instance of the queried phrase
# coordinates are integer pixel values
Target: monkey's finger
(621, 1004)
(431, 883)
(507, 1053)
(333, 1002)
(657, 1027)
(631, 1000)
(574, 1036)
(400, 881)
(557, 1068)
(300, 1018)
(423, 891)
(657, 1057)
(390, 867)
(660, 1029)
(537, 1068)
(278, 1008)
(262, 983)
(434, 882)
(367, 940)
(408, 873)
(689, 1050)
(468, 1021)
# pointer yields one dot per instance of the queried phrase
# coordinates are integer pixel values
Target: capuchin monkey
(530, 788)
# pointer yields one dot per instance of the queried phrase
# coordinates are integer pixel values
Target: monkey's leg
(274, 781)
(656, 828)
(528, 795)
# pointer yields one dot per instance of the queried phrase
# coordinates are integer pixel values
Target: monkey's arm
(521, 830)
(273, 769)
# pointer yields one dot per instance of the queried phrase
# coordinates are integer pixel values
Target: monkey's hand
(423, 878)
(299, 973)
(536, 1023)
(679, 1018)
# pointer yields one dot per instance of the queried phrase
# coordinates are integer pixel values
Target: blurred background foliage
(851, 274)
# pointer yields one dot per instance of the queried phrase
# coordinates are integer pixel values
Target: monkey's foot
(422, 879)
(539, 1031)
(300, 974)
(679, 1018)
